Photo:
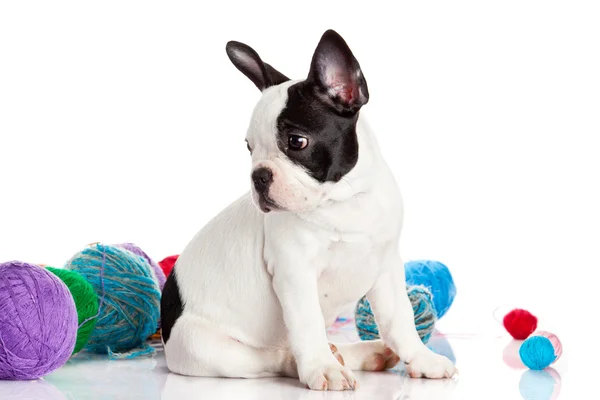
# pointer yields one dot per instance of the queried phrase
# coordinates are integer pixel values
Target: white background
(125, 121)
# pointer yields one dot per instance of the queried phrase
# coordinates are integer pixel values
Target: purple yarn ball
(38, 322)
(158, 272)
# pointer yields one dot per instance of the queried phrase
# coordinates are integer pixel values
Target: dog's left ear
(249, 63)
(337, 74)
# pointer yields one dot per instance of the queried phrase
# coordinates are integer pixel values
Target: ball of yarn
(128, 294)
(158, 272)
(422, 304)
(38, 322)
(167, 264)
(520, 323)
(86, 303)
(436, 277)
(540, 350)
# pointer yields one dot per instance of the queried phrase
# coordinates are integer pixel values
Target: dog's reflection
(392, 385)
(427, 389)
(182, 388)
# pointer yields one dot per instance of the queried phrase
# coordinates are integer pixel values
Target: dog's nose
(262, 178)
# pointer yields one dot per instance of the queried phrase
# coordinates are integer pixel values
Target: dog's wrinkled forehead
(312, 122)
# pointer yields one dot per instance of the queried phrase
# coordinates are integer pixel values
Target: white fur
(259, 289)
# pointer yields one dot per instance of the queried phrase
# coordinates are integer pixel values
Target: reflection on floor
(489, 368)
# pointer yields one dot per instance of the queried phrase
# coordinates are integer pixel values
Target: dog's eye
(297, 142)
(248, 146)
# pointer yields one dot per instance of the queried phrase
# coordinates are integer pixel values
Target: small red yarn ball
(167, 264)
(520, 323)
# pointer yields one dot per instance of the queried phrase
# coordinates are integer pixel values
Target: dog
(253, 292)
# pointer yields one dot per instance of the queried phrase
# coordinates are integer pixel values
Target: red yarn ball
(167, 264)
(520, 323)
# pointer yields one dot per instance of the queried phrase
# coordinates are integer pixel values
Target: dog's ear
(337, 74)
(249, 63)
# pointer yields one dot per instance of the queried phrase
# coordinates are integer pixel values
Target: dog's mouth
(267, 205)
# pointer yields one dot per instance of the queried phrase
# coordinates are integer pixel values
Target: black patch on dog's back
(332, 149)
(171, 306)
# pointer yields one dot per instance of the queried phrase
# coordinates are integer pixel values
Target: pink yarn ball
(554, 340)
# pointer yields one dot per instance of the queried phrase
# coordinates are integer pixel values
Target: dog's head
(302, 135)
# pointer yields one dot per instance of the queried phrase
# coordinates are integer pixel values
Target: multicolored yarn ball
(520, 323)
(158, 272)
(436, 277)
(129, 299)
(167, 264)
(422, 304)
(540, 350)
(38, 322)
(86, 303)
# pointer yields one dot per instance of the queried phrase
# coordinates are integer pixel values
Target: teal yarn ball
(537, 352)
(423, 309)
(128, 294)
(436, 277)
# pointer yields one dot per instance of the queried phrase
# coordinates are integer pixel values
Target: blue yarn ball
(128, 295)
(436, 277)
(537, 352)
(422, 304)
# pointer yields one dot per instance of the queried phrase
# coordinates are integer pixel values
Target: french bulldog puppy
(252, 294)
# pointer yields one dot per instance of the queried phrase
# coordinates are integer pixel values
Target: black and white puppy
(252, 294)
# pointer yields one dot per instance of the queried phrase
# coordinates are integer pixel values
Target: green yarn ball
(86, 302)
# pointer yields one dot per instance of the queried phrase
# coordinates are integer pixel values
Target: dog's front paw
(427, 364)
(328, 376)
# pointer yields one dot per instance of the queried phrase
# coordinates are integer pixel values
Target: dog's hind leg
(197, 348)
(370, 355)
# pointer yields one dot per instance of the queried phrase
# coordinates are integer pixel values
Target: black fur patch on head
(332, 149)
(324, 109)
(171, 306)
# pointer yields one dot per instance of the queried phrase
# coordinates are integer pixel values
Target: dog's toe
(427, 364)
(330, 377)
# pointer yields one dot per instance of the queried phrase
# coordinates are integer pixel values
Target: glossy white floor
(489, 369)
